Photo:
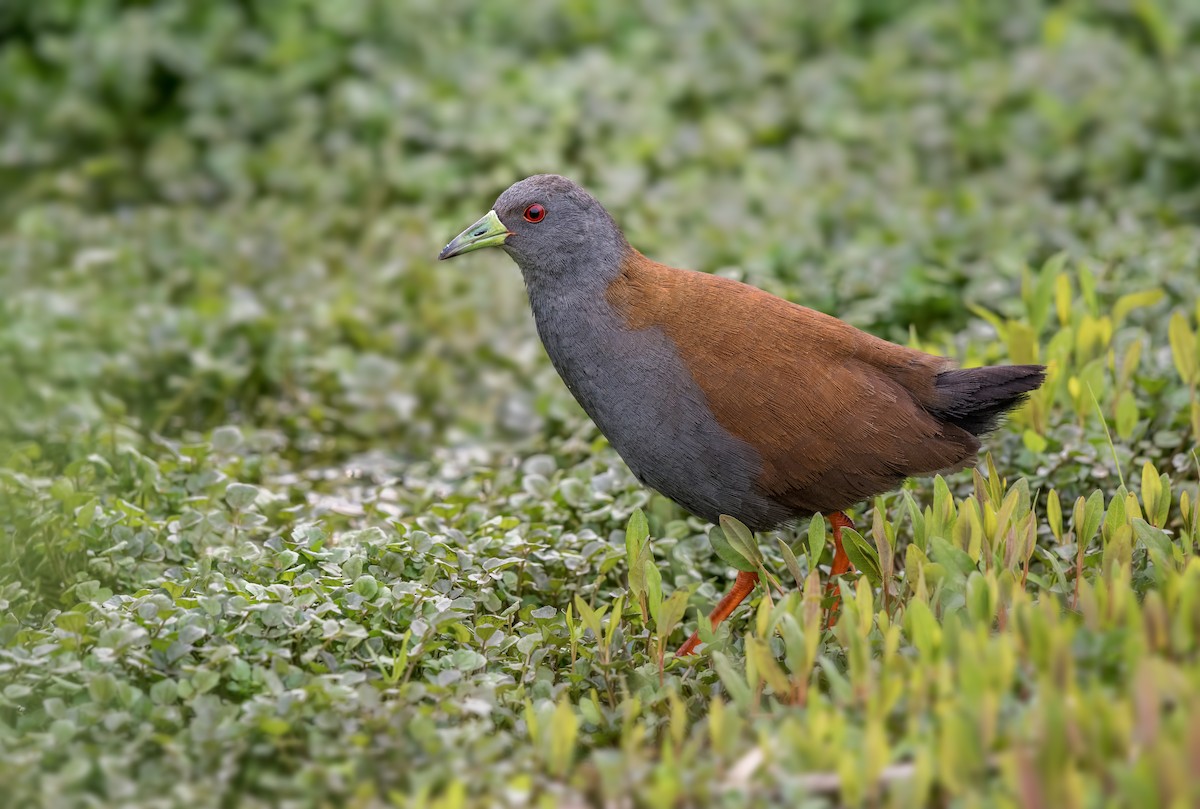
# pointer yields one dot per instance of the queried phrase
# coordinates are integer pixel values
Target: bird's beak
(487, 232)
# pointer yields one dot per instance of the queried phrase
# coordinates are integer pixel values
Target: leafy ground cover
(290, 515)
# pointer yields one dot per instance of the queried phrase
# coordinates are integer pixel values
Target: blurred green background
(218, 231)
(263, 185)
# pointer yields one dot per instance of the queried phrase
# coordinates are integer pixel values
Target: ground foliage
(290, 515)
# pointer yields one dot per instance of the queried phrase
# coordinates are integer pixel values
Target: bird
(725, 398)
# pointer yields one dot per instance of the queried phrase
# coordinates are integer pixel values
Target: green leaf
(1062, 298)
(1034, 442)
(1163, 507)
(1183, 349)
(1054, 515)
(226, 439)
(1118, 550)
(816, 540)
(1092, 514)
(957, 561)
(1022, 341)
(1130, 363)
(741, 539)
(915, 561)
(1134, 300)
(164, 692)
(789, 559)
(671, 613)
(592, 619)
(366, 586)
(794, 644)
(637, 532)
(884, 540)
(1114, 517)
(240, 496)
(862, 555)
(923, 629)
(980, 604)
(614, 620)
(1163, 32)
(73, 622)
(739, 690)
(1127, 415)
(637, 571)
(563, 733)
(920, 536)
(205, 680)
(1154, 540)
(1151, 489)
(727, 553)
(1038, 296)
(1087, 287)
(766, 666)
(993, 319)
(653, 589)
(102, 688)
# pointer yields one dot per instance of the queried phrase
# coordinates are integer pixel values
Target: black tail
(975, 398)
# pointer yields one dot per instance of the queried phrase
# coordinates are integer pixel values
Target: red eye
(535, 213)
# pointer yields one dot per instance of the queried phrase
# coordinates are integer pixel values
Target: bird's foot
(742, 587)
(841, 563)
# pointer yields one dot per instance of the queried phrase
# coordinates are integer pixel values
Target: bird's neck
(568, 291)
(582, 332)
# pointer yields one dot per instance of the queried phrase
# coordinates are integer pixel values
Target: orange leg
(841, 562)
(742, 587)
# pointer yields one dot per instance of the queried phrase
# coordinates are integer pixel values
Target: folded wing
(836, 414)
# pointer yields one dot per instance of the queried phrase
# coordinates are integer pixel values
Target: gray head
(550, 226)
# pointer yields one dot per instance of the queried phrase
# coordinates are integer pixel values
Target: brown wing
(837, 414)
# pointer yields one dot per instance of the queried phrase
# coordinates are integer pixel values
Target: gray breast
(636, 388)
